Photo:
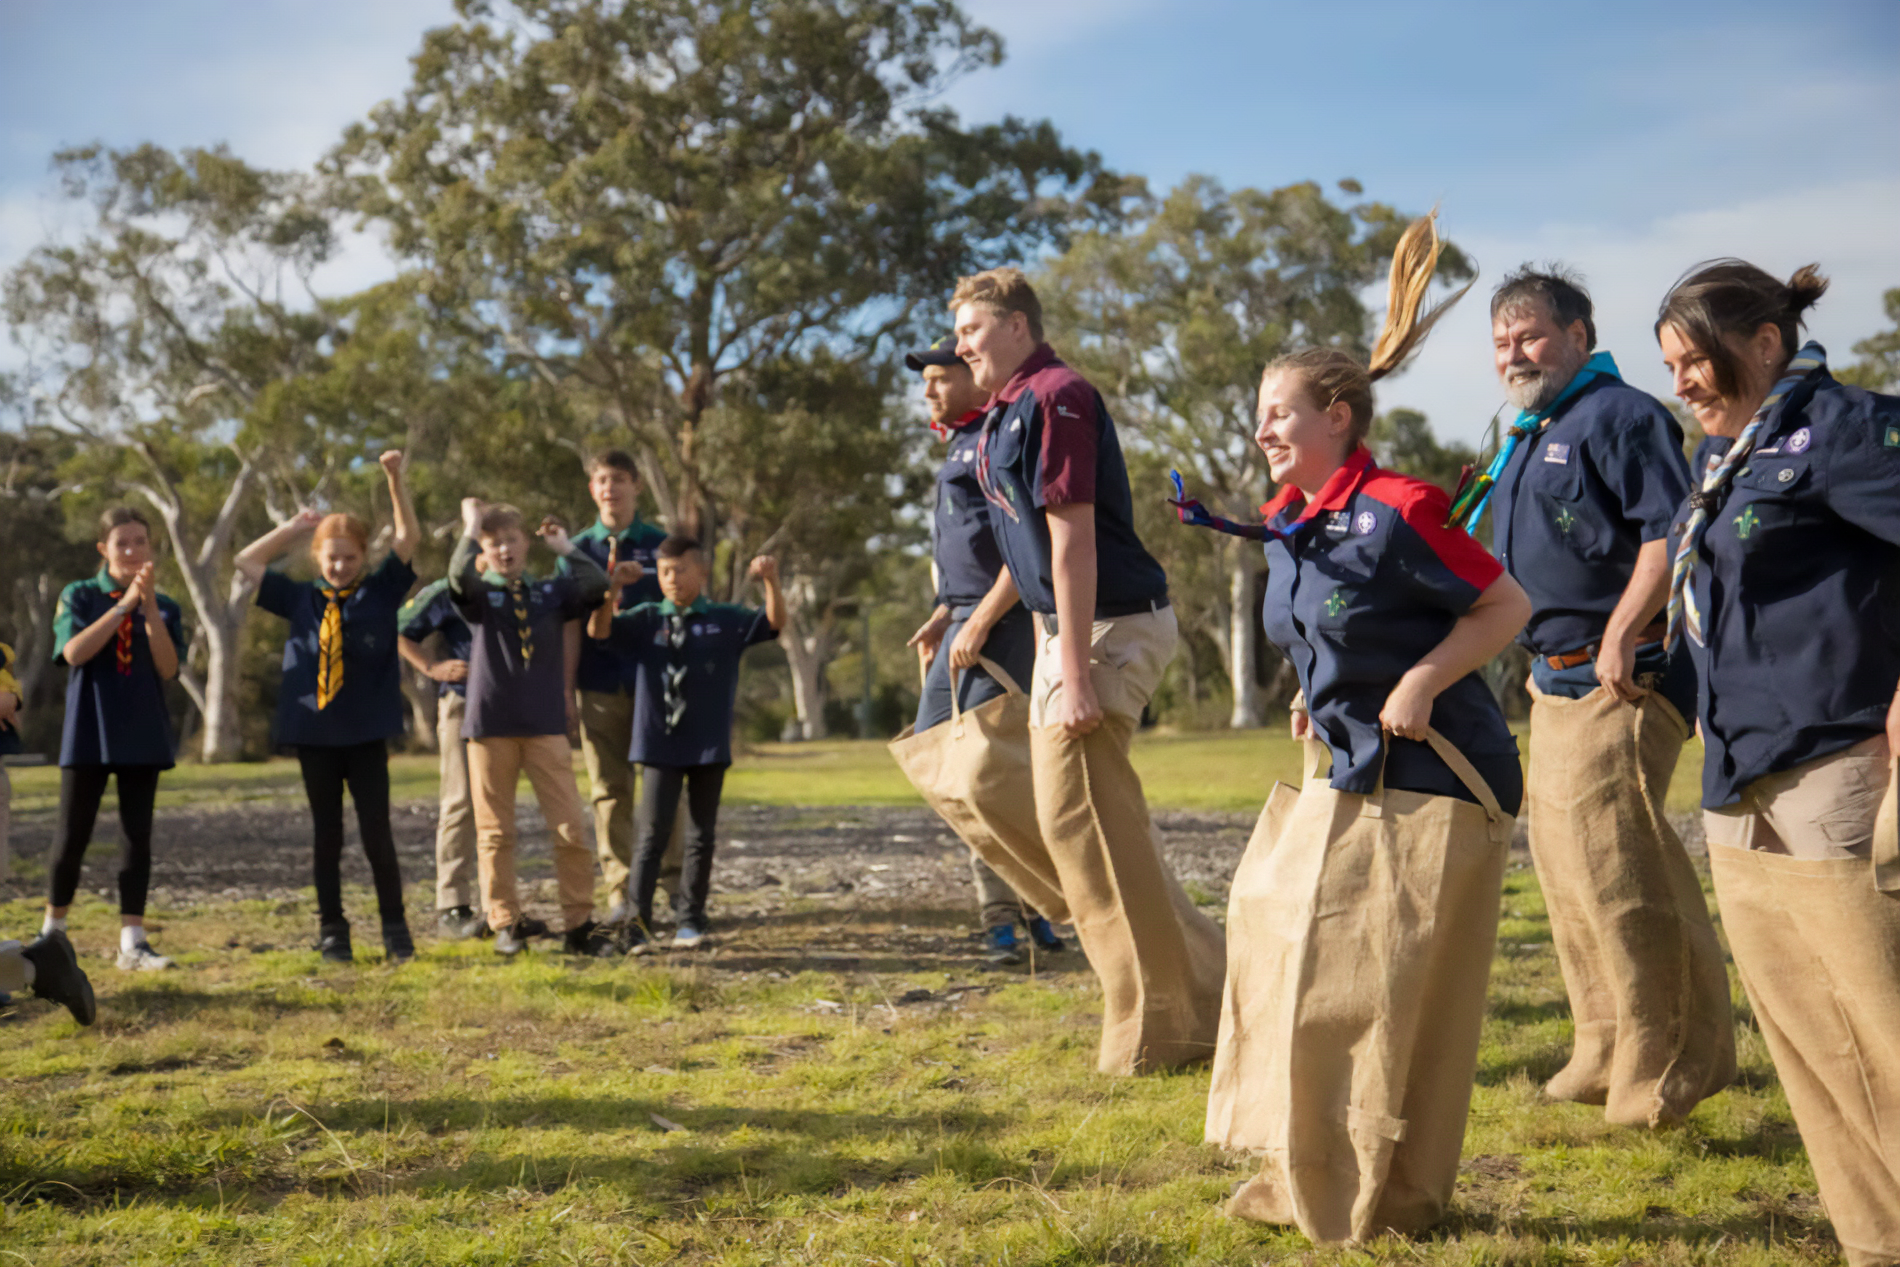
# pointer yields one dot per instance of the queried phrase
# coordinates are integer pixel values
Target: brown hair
(497, 519)
(678, 547)
(614, 459)
(1331, 375)
(1718, 298)
(1557, 288)
(1004, 289)
(338, 524)
(119, 517)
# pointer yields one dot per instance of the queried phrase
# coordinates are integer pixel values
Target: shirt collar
(968, 420)
(605, 533)
(1041, 359)
(103, 579)
(1333, 494)
(669, 608)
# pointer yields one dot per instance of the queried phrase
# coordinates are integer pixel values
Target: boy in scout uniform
(430, 613)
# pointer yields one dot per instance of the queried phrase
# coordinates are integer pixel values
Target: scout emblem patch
(1800, 440)
(1565, 520)
(1892, 438)
(1336, 602)
(1746, 523)
(1557, 453)
(1366, 522)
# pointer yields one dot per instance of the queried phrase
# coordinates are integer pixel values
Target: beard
(1532, 387)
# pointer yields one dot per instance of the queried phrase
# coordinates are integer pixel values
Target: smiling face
(616, 494)
(126, 549)
(1536, 358)
(506, 550)
(993, 343)
(682, 577)
(1304, 443)
(1694, 379)
(339, 560)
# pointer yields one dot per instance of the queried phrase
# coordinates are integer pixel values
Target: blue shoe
(1003, 947)
(689, 935)
(1044, 935)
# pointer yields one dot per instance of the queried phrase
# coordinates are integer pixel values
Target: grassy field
(836, 1084)
(1218, 770)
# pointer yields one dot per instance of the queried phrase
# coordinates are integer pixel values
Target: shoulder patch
(1890, 438)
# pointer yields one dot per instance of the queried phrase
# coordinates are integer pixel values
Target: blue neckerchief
(1529, 424)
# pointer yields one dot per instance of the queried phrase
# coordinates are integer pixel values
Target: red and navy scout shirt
(962, 543)
(1048, 441)
(1798, 577)
(1365, 583)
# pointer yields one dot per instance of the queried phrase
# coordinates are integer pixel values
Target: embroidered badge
(1557, 453)
(1338, 520)
(495, 598)
(1799, 441)
(1366, 522)
(1746, 523)
(698, 630)
(1768, 452)
(1565, 520)
(1336, 602)
(1892, 438)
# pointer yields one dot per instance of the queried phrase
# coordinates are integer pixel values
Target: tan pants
(457, 878)
(995, 899)
(606, 739)
(1648, 988)
(1818, 949)
(1160, 959)
(495, 765)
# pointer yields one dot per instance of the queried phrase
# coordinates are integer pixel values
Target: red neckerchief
(1333, 494)
(123, 640)
(945, 431)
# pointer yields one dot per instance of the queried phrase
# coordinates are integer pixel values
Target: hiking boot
(57, 976)
(689, 934)
(1044, 935)
(333, 942)
(398, 945)
(590, 939)
(142, 958)
(459, 923)
(1003, 947)
(514, 939)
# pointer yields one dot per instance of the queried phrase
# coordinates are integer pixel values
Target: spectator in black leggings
(120, 637)
(341, 697)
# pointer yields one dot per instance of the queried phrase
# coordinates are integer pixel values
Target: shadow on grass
(1772, 1225)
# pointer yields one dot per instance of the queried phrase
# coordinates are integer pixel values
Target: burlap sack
(1648, 988)
(1360, 933)
(974, 771)
(1817, 945)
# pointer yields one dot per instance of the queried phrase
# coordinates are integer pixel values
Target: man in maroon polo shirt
(1050, 463)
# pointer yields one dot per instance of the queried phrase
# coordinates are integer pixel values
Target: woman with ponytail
(1362, 919)
(1786, 583)
(340, 701)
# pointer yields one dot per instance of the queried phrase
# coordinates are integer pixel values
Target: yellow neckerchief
(330, 643)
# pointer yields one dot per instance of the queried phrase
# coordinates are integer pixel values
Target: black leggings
(365, 767)
(81, 788)
(659, 806)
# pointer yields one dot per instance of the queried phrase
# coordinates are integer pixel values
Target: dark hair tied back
(1719, 298)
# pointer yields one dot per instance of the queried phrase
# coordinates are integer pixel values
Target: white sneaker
(688, 935)
(142, 958)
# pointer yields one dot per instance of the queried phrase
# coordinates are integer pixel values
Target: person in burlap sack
(1051, 465)
(1585, 483)
(1362, 920)
(1785, 577)
(976, 617)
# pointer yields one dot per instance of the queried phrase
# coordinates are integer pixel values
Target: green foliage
(1878, 370)
(1402, 440)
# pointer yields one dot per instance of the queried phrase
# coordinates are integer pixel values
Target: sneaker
(514, 939)
(398, 945)
(1003, 948)
(142, 958)
(333, 942)
(689, 934)
(58, 978)
(633, 939)
(590, 939)
(1044, 935)
(459, 923)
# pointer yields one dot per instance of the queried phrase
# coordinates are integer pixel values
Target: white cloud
(1848, 228)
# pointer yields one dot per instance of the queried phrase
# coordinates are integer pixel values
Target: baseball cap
(942, 352)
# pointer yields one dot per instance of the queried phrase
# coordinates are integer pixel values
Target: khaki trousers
(495, 765)
(1160, 959)
(1818, 949)
(606, 739)
(457, 878)
(1647, 984)
(997, 901)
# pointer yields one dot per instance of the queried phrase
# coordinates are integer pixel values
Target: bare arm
(408, 527)
(257, 556)
(1072, 569)
(1643, 598)
(976, 630)
(765, 568)
(1483, 631)
(158, 635)
(421, 661)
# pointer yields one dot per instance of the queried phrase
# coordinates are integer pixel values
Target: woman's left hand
(1408, 710)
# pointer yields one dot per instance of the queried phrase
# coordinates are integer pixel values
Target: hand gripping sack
(1360, 931)
(974, 771)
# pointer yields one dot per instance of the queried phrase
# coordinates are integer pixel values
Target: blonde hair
(1330, 375)
(338, 524)
(1004, 289)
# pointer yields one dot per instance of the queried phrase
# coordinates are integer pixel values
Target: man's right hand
(1302, 723)
(449, 671)
(472, 508)
(929, 635)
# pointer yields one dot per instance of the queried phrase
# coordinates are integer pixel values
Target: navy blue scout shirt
(1798, 576)
(1578, 500)
(368, 706)
(1367, 583)
(1048, 441)
(433, 611)
(717, 634)
(601, 667)
(515, 690)
(115, 706)
(962, 542)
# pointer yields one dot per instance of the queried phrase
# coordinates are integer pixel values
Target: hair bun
(1804, 288)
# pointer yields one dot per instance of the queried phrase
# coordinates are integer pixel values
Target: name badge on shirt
(1338, 520)
(495, 598)
(1557, 453)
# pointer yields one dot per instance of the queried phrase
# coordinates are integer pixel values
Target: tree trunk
(1243, 638)
(34, 655)
(805, 653)
(223, 734)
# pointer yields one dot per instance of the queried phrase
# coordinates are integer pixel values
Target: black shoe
(1045, 937)
(57, 977)
(590, 939)
(632, 939)
(512, 940)
(459, 923)
(398, 945)
(333, 942)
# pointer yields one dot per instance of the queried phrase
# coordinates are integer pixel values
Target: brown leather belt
(1583, 655)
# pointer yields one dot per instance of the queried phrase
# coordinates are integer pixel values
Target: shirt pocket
(1339, 581)
(1569, 517)
(1770, 513)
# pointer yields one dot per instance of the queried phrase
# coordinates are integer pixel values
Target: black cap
(942, 352)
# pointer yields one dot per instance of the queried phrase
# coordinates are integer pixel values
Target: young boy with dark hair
(520, 709)
(685, 652)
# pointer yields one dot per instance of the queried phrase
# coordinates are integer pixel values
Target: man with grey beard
(1588, 480)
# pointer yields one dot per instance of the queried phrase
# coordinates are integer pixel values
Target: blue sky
(1628, 139)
